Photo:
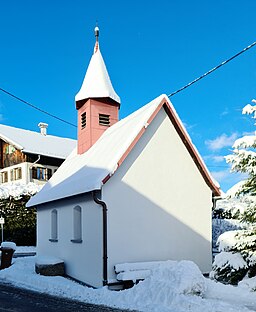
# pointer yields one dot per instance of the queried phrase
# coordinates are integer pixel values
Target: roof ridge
(35, 132)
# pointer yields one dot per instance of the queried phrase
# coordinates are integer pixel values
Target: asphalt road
(19, 300)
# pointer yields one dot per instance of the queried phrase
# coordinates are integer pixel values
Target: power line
(212, 70)
(212, 166)
(171, 94)
(37, 108)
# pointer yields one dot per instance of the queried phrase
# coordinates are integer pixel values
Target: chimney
(43, 128)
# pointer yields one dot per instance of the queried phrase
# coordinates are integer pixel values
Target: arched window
(54, 225)
(77, 225)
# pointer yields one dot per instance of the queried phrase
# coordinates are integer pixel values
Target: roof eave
(107, 100)
(44, 154)
(10, 141)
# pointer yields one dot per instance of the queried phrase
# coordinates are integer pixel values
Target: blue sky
(149, 47)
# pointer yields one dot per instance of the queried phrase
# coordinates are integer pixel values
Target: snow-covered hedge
(20, 222)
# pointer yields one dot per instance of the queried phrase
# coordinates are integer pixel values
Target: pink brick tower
(97, 102)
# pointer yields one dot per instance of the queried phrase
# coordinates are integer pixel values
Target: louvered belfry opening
(104, 120)
(83, 120)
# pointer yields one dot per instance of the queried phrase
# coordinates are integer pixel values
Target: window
(54, 226)
(40, 173)
(9, 149)
(34, 173)
(16, 174)
(4, 176)
(77, 225)
(11, 175)
(104, 120)
(83, 120)
(48, 173)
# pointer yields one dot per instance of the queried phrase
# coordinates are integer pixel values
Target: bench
(133, 272)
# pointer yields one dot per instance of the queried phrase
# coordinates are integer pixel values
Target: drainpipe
(31, 166)
(105, 242)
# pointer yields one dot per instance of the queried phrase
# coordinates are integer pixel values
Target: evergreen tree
(240, 244)
(243, 159)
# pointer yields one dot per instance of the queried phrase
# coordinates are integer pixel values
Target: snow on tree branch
(249, 109)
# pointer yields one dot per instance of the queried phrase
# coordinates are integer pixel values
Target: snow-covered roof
(36, 143)
(100, 162)
(96, 82)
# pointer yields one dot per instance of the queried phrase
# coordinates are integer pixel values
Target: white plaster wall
(23, 167)
(159, 206)
(83, 261)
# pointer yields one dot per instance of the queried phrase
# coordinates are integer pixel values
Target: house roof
(36, 143)
(100, 162)
(97, 83)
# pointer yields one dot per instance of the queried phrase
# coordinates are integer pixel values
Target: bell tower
(97, 103)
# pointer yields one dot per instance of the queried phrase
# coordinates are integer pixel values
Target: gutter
(105, 242)
(214, 200)
(39, 157)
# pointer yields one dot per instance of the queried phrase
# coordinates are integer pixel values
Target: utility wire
(170, 95)
(212, 70)
(37, 108)
(212, 166)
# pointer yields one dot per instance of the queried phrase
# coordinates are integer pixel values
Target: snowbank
(45, 260)
(248, 283)
(174, 286)
(9, 245)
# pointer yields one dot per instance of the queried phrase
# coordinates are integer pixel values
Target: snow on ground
(174, 286)
(25, 249)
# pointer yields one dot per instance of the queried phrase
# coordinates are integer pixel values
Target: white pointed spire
(97, 83)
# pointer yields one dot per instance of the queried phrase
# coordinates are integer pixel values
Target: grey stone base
(50, 269)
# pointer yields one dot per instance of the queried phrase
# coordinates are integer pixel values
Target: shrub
(20, 222)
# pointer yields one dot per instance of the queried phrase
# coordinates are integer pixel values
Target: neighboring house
(134, 190)
(27, 156)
